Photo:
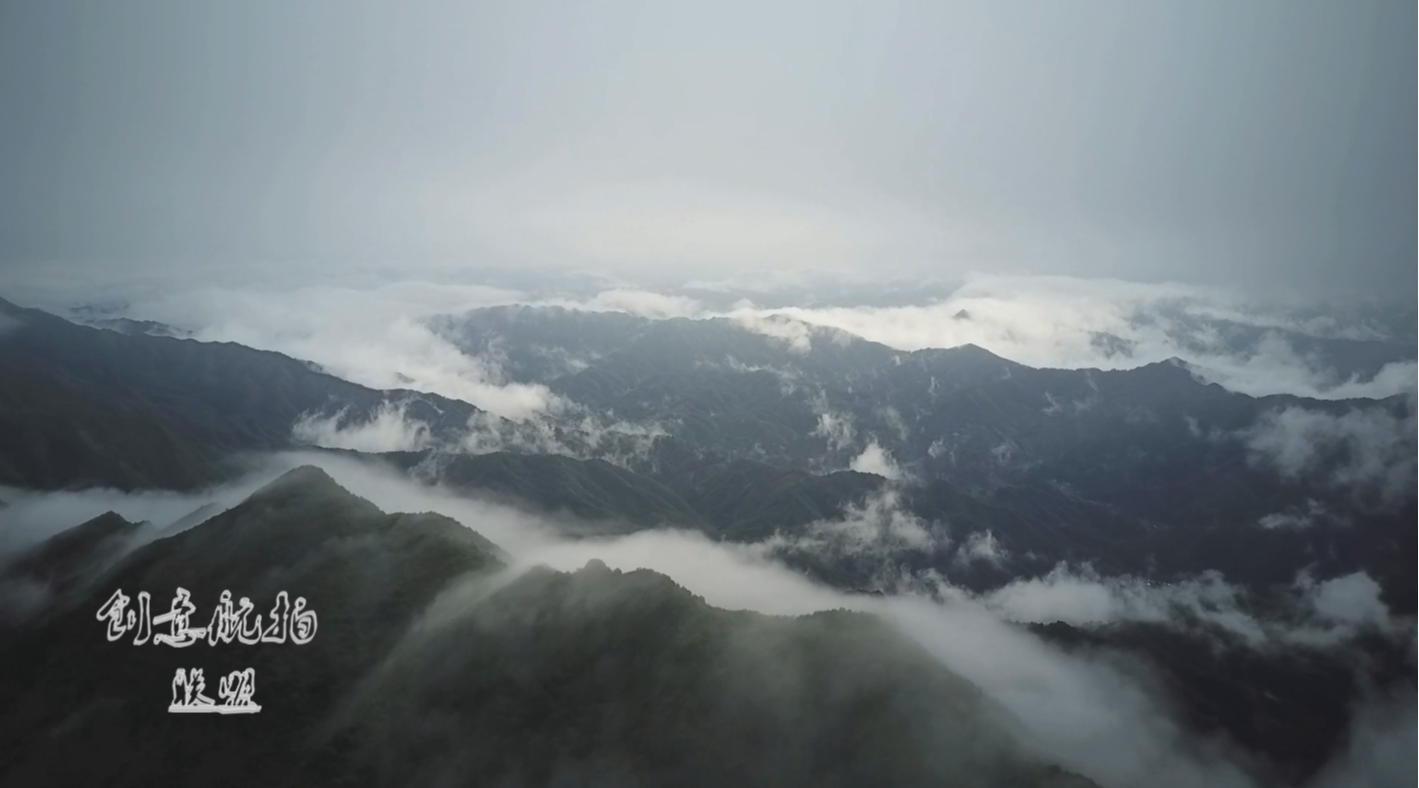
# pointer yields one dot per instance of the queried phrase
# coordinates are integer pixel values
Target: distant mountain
(54, 435)
(1290, 707)
(427, 669)
(1154, 439)
(605, 498)
(83, 405)
(748, 501)
(786, 436)
(735, 500)
(1145, 470)
(66, 559)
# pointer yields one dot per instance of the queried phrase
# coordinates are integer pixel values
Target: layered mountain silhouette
(431, 666)
(84, 406)
(772, 435)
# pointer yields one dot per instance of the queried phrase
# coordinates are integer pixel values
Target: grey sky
(1244, 144)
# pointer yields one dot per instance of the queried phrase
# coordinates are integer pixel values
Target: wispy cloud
(1064, 322)
(880, 528)
(388, 428)
(1299, 517)
(875, 459)
(373, 336)
(1380, 750)
(833, 425)
(634, 301)
(376, 333)
(981, 546)
(1095, 712)
(1323, 614)
(1367, 450)
(569, 429)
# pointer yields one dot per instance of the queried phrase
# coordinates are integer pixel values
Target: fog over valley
(636, 394)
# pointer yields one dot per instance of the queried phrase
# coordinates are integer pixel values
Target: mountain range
(598, 677)
(868, 469)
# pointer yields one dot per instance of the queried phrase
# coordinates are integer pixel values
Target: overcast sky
(1247, 144)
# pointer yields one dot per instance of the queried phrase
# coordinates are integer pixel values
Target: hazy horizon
(1265, 149)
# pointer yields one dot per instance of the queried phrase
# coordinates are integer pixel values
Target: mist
(832, 191)
(385, 335)
(1097, 712)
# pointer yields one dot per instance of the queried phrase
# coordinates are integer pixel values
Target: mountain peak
(307, 482)
(76, 551)
(302, 475)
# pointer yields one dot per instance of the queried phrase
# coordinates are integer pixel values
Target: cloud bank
(1366, 450)
(375, 336)
(1063, 322)
(376, 332)
(1097, 713)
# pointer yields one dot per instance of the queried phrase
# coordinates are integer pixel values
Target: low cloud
(879, 528)
(375, 333)
(1367, 450)
(1064, 322)
(29, 517)
(981, 546)
(1381, 745)
(788, 379)
(730, 576)
(1097, 713)
(1324, 614)
(388, 428)
(796, 334)
(875, 459)
(643, 303)
(374, 336)
(570, 430)
(1100, 715)
(1298, 518)
(1342, 608)
(833, 425)
(1081, 597)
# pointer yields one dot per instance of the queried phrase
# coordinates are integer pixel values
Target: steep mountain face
(737, 500)
(748, 501)
(83, 405)
(604, 498)
(77, 553)
(597, 677)
(1289, 707)
(366, 575)
(723, 388)
(56, 436)
(787, 394)
(606, 678)
(1152, 445)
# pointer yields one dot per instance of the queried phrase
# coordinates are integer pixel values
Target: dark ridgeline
(597, 677)
(1143, 472)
